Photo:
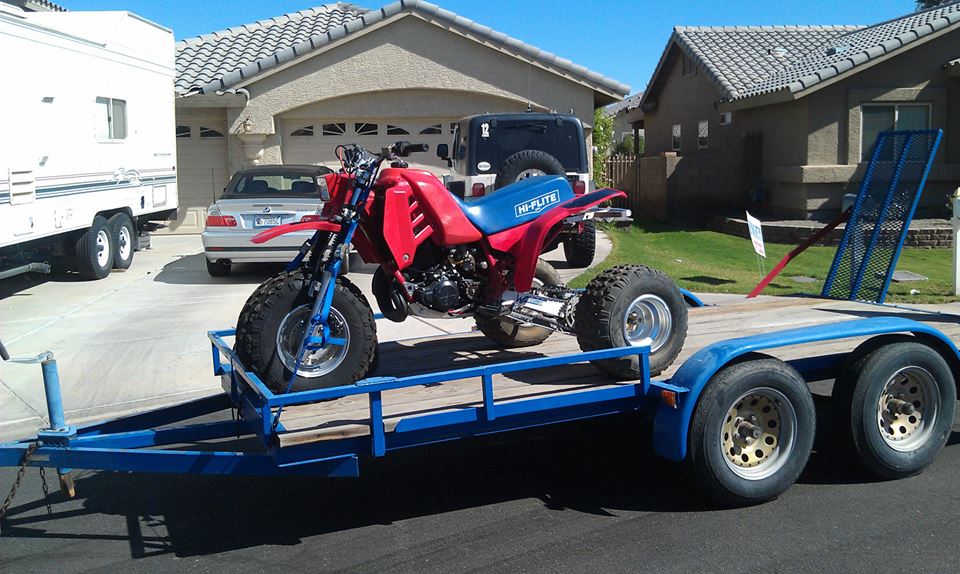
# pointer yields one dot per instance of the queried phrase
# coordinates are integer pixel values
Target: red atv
(309, 328)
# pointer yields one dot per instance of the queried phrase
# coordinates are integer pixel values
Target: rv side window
(111, 119)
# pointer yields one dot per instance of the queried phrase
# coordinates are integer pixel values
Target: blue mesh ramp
(871, 243)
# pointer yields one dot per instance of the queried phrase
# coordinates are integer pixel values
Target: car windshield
(266, 184)
(495, 143)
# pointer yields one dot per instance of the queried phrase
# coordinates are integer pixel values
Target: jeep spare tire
(527, 163)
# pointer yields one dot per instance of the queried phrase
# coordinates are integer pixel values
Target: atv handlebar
(405, 148)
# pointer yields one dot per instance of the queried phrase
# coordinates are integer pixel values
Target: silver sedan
(259, 198)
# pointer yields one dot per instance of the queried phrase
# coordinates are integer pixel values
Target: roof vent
(778, 52)
(837, 50)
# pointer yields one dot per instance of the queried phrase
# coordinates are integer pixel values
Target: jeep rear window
(508, 137)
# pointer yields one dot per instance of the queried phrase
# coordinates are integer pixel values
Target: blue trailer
(736, 409)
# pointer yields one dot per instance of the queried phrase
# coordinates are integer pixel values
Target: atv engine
(447, 285)
(441, 283)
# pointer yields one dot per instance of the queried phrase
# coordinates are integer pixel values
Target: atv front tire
(632, 305)
(271, 325)
(509, 334)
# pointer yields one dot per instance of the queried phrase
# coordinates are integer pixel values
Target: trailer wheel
(900, 399)
(752, 432)
(124, 237)
(94, 249)
(274, 326)
(514, 335)
(579, 249)
(632, 305)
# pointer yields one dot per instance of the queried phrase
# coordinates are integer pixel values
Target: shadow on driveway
(598, 467)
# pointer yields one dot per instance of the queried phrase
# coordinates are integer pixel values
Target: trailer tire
(124, 237)
(273, 325)
(767, 397)
(515, 335)
(580, 248)
(527, 163)
(94, 250)
(878, 387)
(626, 305)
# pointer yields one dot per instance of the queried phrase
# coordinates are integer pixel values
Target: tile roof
(749, 61)
(217, 61)
(204, 62)
(625, 105)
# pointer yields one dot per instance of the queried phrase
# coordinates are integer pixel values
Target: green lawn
(707, 261)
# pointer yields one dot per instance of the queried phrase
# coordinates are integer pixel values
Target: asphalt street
(580, 497)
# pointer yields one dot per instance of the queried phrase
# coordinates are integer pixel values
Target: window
(396, 131)
(305, 131)
(274, 184)
(703, 132)
(675, 145)
(366, 129)
(433, 130)
(210, 133)
(111, 119)
(876, 118)
(333, 129)
(183, 131)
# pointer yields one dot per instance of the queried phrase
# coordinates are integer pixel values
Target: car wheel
(527, 163)
(218, 268)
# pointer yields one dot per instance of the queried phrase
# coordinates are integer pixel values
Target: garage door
(202, 171)
(315, 141)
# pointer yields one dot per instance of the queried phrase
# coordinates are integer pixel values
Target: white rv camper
(88, 149)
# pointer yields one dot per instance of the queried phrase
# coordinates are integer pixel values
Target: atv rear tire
(271, 325)
(580, 249)
(512, 335)
(527, 163)
(632, 305)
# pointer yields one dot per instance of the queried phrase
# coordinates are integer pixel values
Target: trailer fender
(671, 424)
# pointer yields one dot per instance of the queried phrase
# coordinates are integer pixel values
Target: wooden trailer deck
(348, 417)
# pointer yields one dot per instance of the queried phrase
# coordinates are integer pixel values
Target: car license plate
(269, 221)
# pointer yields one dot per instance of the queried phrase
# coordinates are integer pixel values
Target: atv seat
(517, 203)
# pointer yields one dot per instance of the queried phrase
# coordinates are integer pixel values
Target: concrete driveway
(137, 339)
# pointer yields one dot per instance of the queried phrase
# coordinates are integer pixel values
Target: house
(627, 118)
(783, 118)
(291, 88)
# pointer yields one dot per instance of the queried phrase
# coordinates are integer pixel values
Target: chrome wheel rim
(532, 172)
(103, 248)
(315, 363)
(907, 408)
(758, 434)
(647, 321)
(124, 243)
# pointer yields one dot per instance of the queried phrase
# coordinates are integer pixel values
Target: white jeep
(494, 150)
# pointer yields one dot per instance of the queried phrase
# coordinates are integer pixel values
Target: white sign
(756, 235)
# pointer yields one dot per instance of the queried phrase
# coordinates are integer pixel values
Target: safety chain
(16, 482)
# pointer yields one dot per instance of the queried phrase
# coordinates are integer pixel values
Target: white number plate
(267, 221)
